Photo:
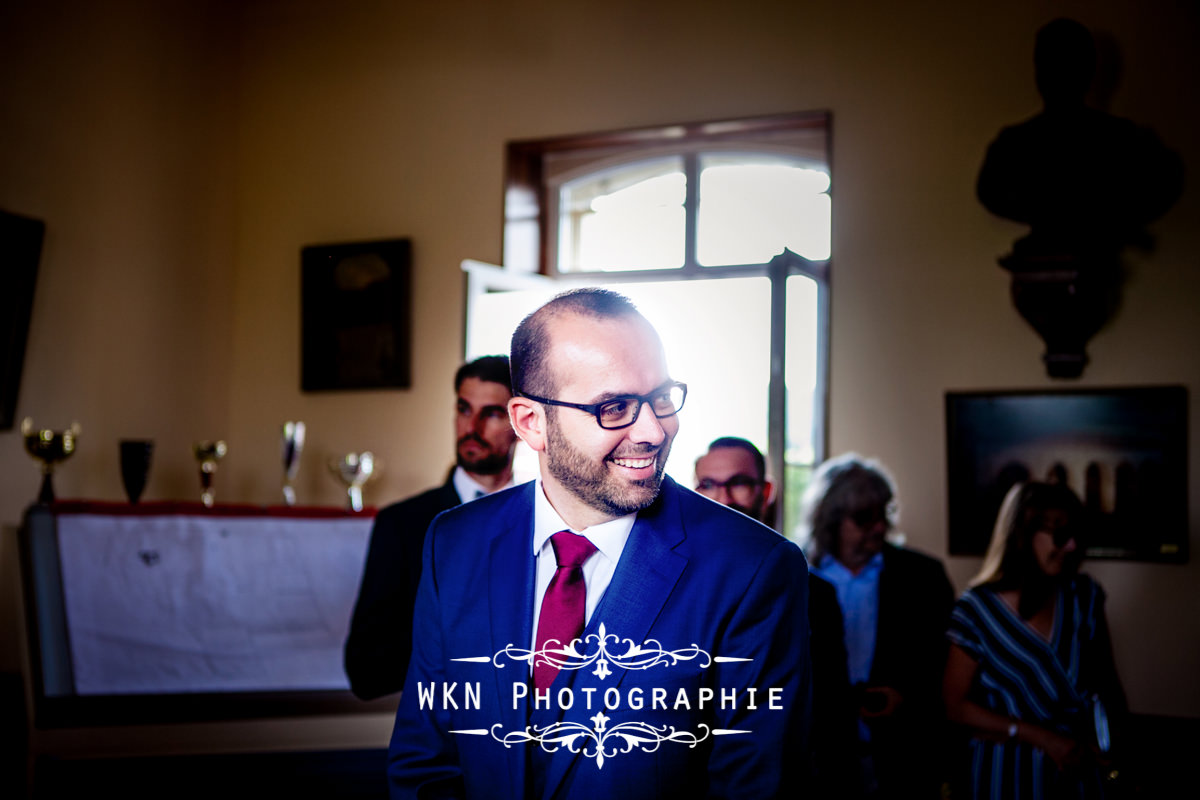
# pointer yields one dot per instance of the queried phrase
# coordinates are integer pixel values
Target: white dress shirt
(609, 539)
(468, 488)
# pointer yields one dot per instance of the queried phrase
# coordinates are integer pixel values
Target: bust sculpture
(1086, 182)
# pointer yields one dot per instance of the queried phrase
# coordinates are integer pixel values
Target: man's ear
(768, 492)
(529, 421)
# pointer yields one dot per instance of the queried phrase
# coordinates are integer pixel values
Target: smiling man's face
(599, 474)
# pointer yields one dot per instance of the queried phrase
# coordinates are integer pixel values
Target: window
(730, 221)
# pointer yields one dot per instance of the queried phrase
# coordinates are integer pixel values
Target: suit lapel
(881, 660)
(649, 568)
(510, 602)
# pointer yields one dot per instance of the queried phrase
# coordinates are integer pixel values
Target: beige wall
(181, 160)
(116, 130)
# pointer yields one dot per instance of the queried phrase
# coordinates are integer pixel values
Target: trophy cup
(48, 447)
(292, 444)
(354, 470)
(208, 454)
(135, 466)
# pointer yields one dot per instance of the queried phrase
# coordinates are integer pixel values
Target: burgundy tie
(561, 617)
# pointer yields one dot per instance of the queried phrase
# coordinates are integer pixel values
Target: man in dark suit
(602, 632)
(734, 473)
(380, 639)
(896, 604)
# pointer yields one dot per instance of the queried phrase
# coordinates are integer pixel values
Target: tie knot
(570, 549)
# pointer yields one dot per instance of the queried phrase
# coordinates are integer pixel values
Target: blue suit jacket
(693, 574)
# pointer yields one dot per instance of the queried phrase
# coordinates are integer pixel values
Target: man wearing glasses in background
(734, 473)
(698, 604)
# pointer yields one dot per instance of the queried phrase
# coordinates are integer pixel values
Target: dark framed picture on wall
(356, 316)
(1123, 451)
(20, 251)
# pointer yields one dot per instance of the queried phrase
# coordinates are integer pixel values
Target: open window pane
(801, 375)
(720, 349)
(623, 218)
(752, 207)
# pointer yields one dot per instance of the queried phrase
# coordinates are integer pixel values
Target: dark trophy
(135, 466)
(48, 447)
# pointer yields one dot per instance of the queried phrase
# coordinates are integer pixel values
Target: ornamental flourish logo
(604, 652)
(636, 656)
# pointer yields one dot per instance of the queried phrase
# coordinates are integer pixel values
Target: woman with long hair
(1030, 674)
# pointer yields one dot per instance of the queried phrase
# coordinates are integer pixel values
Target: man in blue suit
(602, 632)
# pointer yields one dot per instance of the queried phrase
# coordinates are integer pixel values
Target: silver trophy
(292, 443)
(207, 455)
(354, 470)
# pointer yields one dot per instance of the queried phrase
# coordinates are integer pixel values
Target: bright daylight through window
(721, 236)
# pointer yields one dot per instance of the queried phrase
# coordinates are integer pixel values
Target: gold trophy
(48, 447)
(354, 470)
(208, 454)
(292, 444)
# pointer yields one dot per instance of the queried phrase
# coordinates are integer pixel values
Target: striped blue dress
(1025, 676)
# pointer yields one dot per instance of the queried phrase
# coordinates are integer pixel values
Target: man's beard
(491, 464)
(595, 484)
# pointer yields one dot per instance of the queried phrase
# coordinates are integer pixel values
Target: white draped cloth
(178, 603)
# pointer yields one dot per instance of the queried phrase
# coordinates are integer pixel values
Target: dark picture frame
(1123, 451)
(20, 251)
(356, 315)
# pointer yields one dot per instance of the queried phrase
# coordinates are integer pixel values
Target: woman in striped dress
(1030, 657)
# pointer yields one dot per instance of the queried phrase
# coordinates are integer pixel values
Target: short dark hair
(485, 368)
(841, 488)
(738, 443)
(530, 344)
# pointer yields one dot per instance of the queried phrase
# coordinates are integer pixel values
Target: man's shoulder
(419, 508)
(718, 528)
(488, 515)
(910, 559)
(913, 572)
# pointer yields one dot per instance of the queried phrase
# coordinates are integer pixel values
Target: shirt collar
(837, 569)
(468, 488)
(609, 537)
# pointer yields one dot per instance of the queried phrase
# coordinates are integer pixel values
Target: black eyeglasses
(1062, 534)
(743, 485)
(621, 412)
(869, 517)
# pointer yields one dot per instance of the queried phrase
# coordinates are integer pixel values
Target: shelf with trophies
(173, 610)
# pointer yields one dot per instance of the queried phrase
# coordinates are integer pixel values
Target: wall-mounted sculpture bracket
(1086, 182)
(1066, 300)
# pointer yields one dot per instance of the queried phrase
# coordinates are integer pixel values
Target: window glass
(752, 207)
(623, 218)
(801, 374)
(720, 348)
